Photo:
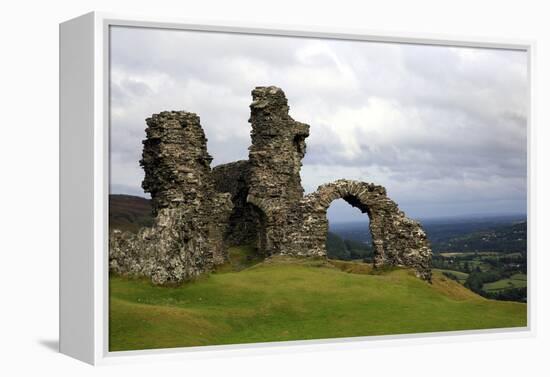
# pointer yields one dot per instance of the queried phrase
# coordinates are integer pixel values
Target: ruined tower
(275, 157)
(175, 160)
(190, 216)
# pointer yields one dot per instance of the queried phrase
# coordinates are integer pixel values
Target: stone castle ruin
(199, 212)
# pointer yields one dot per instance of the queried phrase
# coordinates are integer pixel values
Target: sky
(444, 129)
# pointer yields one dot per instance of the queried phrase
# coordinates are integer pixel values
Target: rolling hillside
(127, 212)
(501, 238)
(283, 299)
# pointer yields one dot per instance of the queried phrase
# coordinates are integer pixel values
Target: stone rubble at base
(200, 212)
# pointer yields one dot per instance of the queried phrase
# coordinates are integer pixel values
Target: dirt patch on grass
(352, 267)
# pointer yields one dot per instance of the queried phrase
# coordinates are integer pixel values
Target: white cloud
(436, 125)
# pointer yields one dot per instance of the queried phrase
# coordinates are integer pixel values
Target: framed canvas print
(228, 186)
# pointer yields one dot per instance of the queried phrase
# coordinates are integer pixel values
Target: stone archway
(397, 240)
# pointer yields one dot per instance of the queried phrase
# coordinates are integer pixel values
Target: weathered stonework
(187, 236)
(397, 240)
(199, 212)
(278, 147)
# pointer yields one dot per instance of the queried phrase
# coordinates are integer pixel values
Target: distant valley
(494, 233)
(486, 254)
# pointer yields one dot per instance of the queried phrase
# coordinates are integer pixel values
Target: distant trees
(477, 278)
(501, 238)
(510, 294)
(338, 248)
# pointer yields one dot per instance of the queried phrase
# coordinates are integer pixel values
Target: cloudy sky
(444, 129)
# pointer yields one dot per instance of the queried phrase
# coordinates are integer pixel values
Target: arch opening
(258, 223)
(247, 227)
(349, 235)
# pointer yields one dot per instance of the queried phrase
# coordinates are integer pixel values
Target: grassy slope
(292, 299)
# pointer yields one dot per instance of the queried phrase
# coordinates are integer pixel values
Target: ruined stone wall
(397, 240)
(199, 212)
(278, 147)
(190, 216)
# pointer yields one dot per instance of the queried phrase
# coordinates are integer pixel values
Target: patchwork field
(290, 299)
(514, 281)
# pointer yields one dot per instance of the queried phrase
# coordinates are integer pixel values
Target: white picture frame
(84, 187)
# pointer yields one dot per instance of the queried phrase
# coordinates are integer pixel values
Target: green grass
(519, 277)
(239, 258)
(514, 281)
(483, 266)
(461, 276)
(290, 299)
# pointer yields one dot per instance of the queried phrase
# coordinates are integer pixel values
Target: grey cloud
(436, 125)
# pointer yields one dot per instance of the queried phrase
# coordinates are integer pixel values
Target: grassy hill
(283, 299)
